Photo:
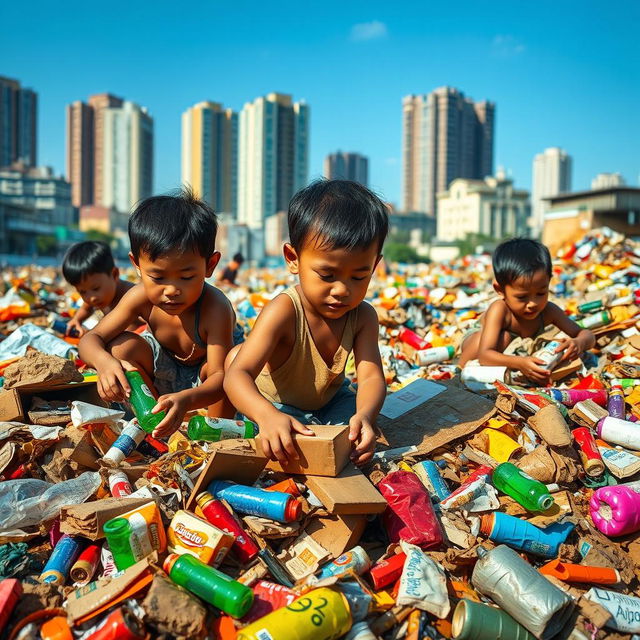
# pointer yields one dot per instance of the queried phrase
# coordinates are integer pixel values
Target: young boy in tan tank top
(290, 371)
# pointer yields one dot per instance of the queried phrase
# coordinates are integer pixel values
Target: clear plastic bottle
(530, 493)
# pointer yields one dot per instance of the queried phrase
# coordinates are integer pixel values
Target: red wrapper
(268, 596)
(410, 515)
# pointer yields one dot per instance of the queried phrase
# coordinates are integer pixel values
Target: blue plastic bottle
(522, 535)
(276, 505)
(64, 554)
(429, 473)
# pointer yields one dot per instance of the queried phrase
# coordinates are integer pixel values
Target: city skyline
(550, 90)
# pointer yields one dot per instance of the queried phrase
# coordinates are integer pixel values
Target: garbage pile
(490, 510)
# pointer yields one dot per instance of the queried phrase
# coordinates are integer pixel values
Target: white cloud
(374, 30)
(506, 46)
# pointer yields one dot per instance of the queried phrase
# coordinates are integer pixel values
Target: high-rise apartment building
(273, 156)
(210, 154)
(127, 170)
(109, 152)
(80, 169)
(607, 180)
(551, 176)
(18, 124)
(347, 166)
(445, 135)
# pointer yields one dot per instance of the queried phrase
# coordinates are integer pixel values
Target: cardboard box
(325, 454)
(336, 533)
(429, 415)
(348, 493)
(10, 406)
(235, 460)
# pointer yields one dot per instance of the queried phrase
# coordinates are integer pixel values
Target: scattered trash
(493, 509)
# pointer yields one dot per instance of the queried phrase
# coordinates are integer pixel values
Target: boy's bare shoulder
(215, 306)
(136, 298)
(498, 311)
(366, 315)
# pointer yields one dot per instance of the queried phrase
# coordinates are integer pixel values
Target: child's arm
(84, 312)
(490, 355)
(277, 318)
(112, 383)
(371, 385)
(218, 323)
(579, 340)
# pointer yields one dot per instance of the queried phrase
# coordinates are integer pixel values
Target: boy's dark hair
(86, 258)
(520, 258)
(340, 213)
(238, 257)
(182, 222)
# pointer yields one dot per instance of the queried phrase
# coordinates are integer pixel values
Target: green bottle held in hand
(142, 402)
(530, 493)
(214, 429)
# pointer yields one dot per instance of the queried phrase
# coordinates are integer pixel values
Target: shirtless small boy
(290, 372)
(190, 322)
(522, 272)
(89, 267)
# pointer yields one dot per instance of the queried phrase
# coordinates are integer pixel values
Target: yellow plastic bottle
(321, 614)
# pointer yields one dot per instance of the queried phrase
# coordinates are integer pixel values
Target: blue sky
(562, 72)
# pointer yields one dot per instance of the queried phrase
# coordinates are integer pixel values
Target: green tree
(398, 252)
(46, 245)
(100, 236)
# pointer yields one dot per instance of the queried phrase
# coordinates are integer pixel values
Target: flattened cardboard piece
(87, 519)
(567, 369)
(587, 413)
(337, 533)
(85, 602)
(11, 406)
(450, 415)
(236, 460)
(325, 454)
(351, 492)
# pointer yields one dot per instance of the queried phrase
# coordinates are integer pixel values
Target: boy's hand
(570, 348)
(533, 368)
(75, 324)
(176, 406)
(275, 434)
(362, 433)
(113, 385)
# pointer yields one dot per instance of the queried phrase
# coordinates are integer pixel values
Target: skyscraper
(273, 153)
(127, 171)
(80, 169)
(210, 154)
(347, 166)
(551, 176)
(109, 152)
(18, 124)
(444, 136)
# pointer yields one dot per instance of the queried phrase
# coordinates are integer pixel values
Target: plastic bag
(29, 335)
(410, 515)
(28, 502)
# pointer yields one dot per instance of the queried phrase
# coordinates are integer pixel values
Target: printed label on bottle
(264, 634)
(139, 539)
(538, 547)
(146, 390)
(125, 444)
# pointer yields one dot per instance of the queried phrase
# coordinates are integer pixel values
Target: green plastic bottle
(208, 583)
(214, 429)
(530, 493)
(118, 533)
(142, 401)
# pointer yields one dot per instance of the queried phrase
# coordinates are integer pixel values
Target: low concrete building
(571, 215)
(491, 207)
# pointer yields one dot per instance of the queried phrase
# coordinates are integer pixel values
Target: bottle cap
(292, 510)
(545, 501)
(170, 560)
(594, 467)
(481, 552)
(599, 426)
(204, 498)
(486, 524)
